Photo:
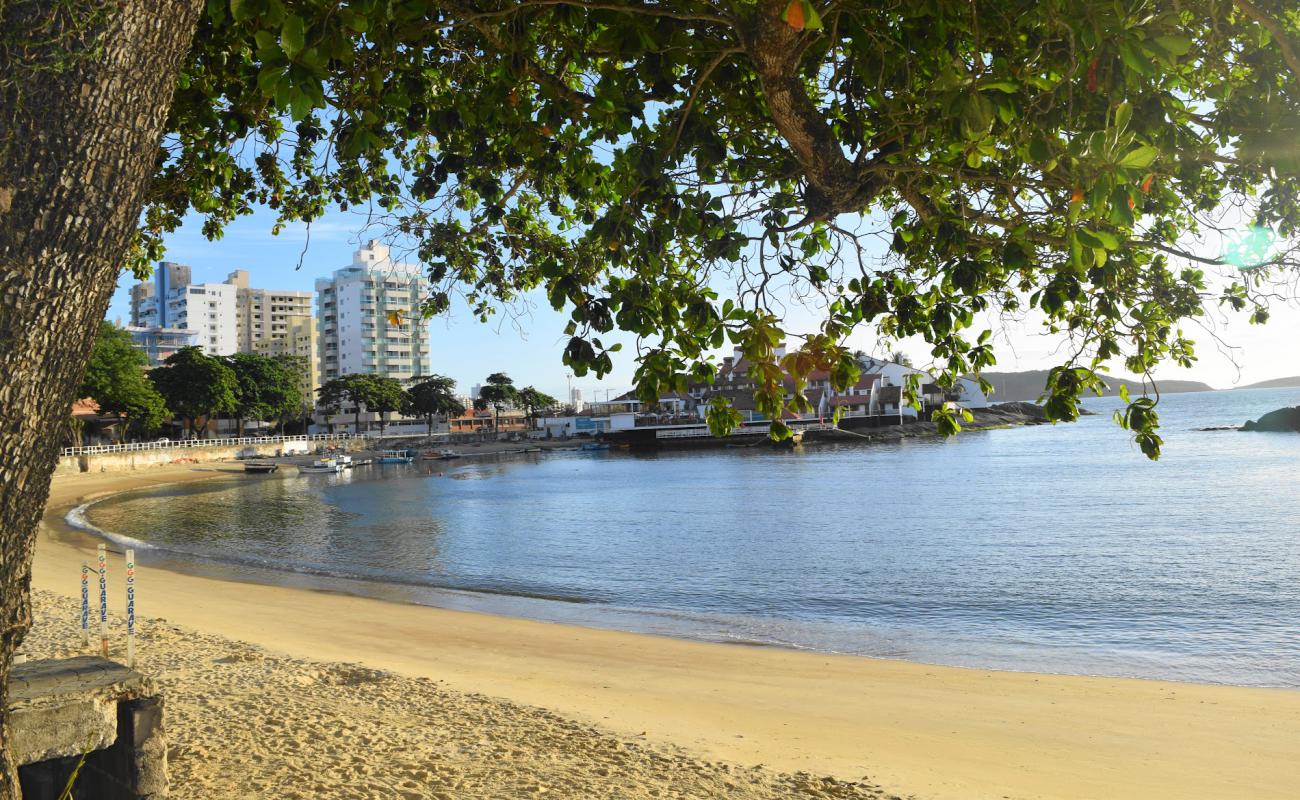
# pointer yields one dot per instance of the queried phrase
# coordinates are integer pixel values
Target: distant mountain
(1276, 383)
(1029, 385)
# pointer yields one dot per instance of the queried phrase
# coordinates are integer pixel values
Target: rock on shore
(1284, 419)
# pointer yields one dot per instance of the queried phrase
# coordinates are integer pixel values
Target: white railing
(698, 432)
(97, 449)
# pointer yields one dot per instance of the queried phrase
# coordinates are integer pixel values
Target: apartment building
(370, 320)
(266, 314)
(298, 338)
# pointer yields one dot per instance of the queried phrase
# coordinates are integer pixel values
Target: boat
(444, 454)
(260, 468)
(321, 466)
(394, 457)
(593, 446)
(345, 462)
(362, 462)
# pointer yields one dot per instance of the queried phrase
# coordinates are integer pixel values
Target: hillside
(1029, 385)
(1276, 383)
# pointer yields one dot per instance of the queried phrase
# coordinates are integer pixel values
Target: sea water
(1055, 548)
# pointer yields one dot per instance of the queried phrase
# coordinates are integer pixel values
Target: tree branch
(1274, 27)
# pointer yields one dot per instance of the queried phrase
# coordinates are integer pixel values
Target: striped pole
(130, 608)
(85, 604)
(103, 601)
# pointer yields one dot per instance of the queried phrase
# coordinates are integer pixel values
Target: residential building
(370, 319)
(263, 315)
(297, 338)
(159, 343)
(170, 310)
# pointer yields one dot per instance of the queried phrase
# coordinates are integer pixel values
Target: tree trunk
(84, 91)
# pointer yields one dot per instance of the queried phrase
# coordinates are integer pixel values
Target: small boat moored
(321, 466)
(444, 454)
(395, 457)
(593, 446)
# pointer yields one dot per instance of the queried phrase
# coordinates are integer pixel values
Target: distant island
(1029, 385)
(1276, 383)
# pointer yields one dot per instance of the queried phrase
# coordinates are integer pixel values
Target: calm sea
(1051, 548)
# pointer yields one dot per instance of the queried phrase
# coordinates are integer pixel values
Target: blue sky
(528, 346)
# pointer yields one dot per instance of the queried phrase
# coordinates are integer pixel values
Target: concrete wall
(144, 459)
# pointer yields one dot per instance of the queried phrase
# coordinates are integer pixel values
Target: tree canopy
(115, 379)
(534, 400)
(267, 388)
(196, 385)
(919, 167)
(431, 397)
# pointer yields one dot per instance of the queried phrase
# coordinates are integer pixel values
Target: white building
(171, 303)
(370, 319)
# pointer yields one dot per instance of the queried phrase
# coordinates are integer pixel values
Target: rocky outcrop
(1284, 419)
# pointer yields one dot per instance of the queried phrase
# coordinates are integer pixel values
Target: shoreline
(540, 608)
(910, 727)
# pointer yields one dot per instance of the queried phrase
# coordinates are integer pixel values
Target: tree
(498, 391)
(533, 401)
(1020, 155)
(267, 387)
(901, 358)
(354, 389)
(385, 395)
(431, 397)
(298, 404)
(116, 381)
(196, 386)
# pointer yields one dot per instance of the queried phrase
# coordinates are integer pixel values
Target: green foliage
(1020, 155)
(195, 385)
(115, 379)
(385, 395)
(267, 388)
(497, 392)
(432, 397)
(533, 400)
(358, 389)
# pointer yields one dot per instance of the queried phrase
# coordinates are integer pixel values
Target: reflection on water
(1047, 548)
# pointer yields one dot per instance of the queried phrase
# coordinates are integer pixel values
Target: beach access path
(913, 729)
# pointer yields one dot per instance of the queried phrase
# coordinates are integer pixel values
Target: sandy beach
(282, 692)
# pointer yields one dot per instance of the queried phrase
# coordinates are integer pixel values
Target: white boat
(321, 466)
(345, 462)
(445, 454)
(394, 457)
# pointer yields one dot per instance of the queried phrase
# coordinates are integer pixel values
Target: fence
(702, 432)
(98, 449)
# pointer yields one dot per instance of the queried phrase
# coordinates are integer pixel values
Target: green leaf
(1135, 60)
(1139, 157)
(1174, 45)
(1010, 87)
(241, 10)
(1123, 113)
(292, 35)
(812, 20)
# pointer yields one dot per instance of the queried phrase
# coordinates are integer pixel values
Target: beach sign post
(103, 601)
(85, 604)
(130, 608)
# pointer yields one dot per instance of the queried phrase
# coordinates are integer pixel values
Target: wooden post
(85, 604)
(130, 608)
(103, 601)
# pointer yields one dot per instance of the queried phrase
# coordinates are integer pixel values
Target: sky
(528, 346)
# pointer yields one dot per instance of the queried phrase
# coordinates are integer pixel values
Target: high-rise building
(370, 319)
(170, 312)
(265, 314)
(297, 339)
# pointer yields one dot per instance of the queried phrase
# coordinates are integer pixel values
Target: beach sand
(288, 692)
